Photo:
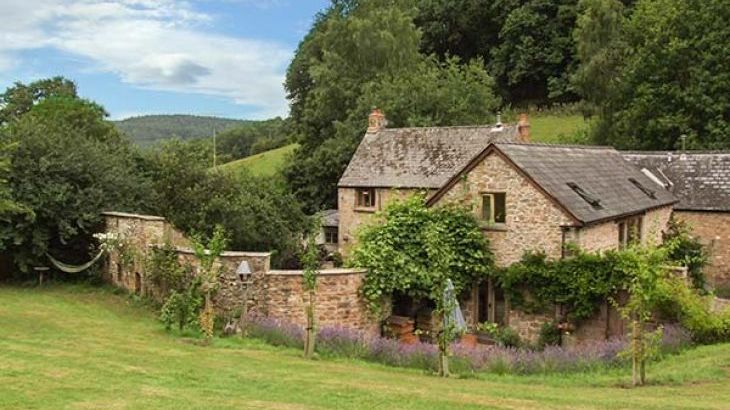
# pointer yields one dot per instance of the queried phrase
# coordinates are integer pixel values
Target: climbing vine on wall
(394, 250)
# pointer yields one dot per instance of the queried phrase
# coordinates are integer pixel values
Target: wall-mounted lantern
(243, 271)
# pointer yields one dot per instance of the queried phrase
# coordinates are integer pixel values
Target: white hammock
(64, 267)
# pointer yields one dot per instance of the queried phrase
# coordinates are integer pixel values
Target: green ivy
(395, 250)
(579, 283)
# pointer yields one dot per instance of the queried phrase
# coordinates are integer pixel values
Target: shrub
(549, 335)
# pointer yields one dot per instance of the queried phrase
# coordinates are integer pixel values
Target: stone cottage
(701, 181)
(529, 197)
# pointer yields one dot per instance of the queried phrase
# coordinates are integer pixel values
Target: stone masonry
(713, 229)
(275, 293)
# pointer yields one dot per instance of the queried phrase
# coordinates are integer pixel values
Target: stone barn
(701, 181)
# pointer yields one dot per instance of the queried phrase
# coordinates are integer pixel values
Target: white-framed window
(494, 208)
(365, 197)
(330, 235)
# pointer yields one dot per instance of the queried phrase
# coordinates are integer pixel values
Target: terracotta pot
(408, 338)
(469, 339)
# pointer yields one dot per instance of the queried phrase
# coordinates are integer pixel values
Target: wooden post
(242, 321)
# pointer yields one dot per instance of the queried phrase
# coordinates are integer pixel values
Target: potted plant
(486, 333)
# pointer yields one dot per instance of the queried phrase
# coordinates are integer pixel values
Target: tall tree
(600, 48)
(20, 98)
(364, 54)
(69, 166)
(673, 79)
(526, 44)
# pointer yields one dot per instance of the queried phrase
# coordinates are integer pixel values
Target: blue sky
(209, 57)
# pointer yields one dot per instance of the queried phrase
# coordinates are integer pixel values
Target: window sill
(363, 209)
(498, 227)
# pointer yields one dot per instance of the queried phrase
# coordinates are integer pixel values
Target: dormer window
(365, 198)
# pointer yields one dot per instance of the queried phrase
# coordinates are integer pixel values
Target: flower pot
(469, 339)
(408, 338)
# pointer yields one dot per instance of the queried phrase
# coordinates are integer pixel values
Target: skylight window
(651, 194)
(591, 199)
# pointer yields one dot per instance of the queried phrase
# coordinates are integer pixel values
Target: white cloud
(153, 44)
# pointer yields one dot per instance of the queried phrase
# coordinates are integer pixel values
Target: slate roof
(602, 177)
(330, 218)
(418, 157)
(701, 179)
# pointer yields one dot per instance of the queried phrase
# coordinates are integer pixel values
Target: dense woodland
(643, 72)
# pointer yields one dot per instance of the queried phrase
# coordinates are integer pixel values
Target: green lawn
(265, 163)
(78, 347)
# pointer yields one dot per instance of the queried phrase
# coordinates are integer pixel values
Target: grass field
(263, 164)
(79, 347)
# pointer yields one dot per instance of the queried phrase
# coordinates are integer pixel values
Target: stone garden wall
(274, 293)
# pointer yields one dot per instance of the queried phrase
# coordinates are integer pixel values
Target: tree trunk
(634, 352)
(309, 339)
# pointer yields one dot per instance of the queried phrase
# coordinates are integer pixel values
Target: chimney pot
(523, 127)
(376, 120)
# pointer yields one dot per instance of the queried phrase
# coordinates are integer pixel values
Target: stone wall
(273, 293)
(713, 230)
(604, 236)
(533, 222)
(337, 300)
(352, 217)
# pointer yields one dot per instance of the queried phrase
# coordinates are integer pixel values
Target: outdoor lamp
(243, 270)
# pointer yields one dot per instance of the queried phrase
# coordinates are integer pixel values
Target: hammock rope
(65, 267)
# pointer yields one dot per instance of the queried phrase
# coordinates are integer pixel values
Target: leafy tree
(600, 48)
(399, 251)
(20, 98)
(526, 44)
(69, 166)
(672, 80)
(258, 213)
(645, 266)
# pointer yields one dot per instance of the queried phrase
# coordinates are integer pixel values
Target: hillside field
(544, 128)
(263, 164)
(81, 347)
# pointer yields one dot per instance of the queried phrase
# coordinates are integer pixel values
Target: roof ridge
(446, 127)
(676, 152)
(554, 145)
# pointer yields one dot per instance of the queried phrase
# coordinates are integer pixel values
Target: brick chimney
(523, 127)
(376, 121)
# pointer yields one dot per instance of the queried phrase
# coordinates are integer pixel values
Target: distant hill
(149, 129)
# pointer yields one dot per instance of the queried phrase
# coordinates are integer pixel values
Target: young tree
(207, 253)
(309, 288)
(646, 268)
